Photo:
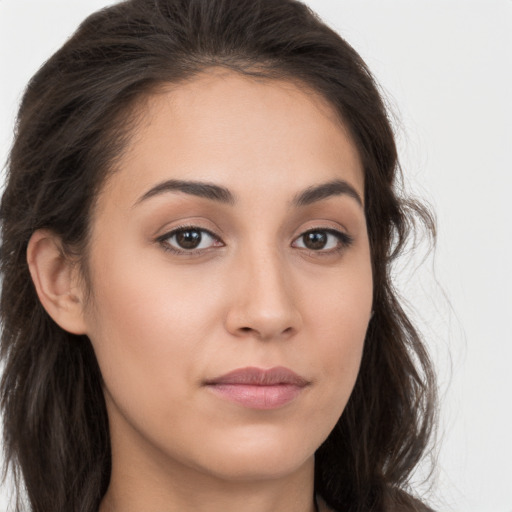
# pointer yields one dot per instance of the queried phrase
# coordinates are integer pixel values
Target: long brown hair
(74, 121)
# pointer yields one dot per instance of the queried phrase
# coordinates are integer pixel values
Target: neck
(204, 493)
(147, 482)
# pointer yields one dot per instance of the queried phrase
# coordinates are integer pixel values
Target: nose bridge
(264, 304)
(268, 278)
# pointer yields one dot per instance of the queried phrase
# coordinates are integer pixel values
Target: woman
(198, 227)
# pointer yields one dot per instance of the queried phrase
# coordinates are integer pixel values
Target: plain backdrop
(445, 67)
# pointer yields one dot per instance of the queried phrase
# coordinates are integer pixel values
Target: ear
(56, 280)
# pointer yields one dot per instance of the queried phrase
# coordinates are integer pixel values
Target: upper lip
(252, 376)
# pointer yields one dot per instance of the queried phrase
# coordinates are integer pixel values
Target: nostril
(250, 330)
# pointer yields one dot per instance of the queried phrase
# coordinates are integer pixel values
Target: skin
(253, 294)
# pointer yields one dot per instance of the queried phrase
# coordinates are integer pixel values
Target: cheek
(147, 325)
(337, 317)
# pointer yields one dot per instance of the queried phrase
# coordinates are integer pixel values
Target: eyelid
(345, 240)
(163, 239)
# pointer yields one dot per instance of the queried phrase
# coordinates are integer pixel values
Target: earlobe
(56, 281)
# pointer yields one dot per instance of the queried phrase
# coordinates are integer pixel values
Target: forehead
(241, 132)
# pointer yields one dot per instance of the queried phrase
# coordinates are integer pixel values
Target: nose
(263, 305)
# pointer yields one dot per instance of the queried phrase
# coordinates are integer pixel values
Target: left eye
(189, 239)
(322, 240)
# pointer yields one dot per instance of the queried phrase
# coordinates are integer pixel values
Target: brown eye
(189, 239)
(315, 240)
(323, 240)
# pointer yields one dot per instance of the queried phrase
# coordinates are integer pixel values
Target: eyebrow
(194, 188)
(223, 195)
(326, 190)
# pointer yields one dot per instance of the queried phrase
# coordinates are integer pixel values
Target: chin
(253, 469)
(260, 456)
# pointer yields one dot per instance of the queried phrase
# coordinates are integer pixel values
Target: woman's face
(231, 281)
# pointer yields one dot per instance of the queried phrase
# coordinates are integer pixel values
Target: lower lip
(258, 397)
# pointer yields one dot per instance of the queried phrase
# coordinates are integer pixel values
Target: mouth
(257, 388)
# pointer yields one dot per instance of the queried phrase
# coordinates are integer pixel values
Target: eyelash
(164, 240)
(344, 241)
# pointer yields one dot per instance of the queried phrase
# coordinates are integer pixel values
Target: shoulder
(402, 503)
(322, 506)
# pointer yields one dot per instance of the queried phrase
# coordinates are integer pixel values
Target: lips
(257, 388)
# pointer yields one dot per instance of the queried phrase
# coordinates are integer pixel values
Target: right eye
(189, 239)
